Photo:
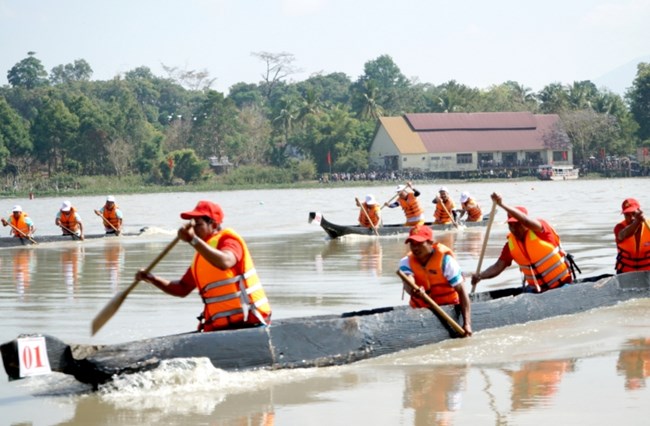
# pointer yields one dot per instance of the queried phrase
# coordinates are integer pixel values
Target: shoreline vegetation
(101, 185)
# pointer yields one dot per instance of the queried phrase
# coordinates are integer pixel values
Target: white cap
(443, 189)
(464, 196)
(17, 208)
(65, 207)
(370, 200)
(110, 199)
(400, 188)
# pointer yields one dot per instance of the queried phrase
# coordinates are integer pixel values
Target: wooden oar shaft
(438, 310)
(22, 233)
(485, 241)
(393, 197)
(72, 233)
(114, 304)
(98, 213)
(441, 201)
(374, 228)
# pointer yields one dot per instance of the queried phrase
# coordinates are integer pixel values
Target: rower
(632, 239)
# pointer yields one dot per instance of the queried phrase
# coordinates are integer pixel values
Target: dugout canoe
(336, 231)
(18, 242)
(323, 340)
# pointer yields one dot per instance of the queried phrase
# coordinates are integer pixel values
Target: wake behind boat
(336, 231)
(314, 341)
(17, 242)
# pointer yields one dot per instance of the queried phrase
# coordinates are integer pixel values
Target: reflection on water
(435, 394)
(634, 363)
(71, 265)
(535, 383)
(24, 263)
(114, 258)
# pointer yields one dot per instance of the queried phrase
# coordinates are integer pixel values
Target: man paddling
(632, 239)
(222, 270)
(444, 213)
(69, 220)
(409, 203)
(437, 272)
(535, 246)
(369, 212)
(21, 224)
(111, 216)
(470, 206)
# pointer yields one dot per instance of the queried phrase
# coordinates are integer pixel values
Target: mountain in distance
(620, 79)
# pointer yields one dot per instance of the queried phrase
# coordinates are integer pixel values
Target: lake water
(588, 368)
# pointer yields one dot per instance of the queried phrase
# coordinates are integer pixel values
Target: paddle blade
(108, 311)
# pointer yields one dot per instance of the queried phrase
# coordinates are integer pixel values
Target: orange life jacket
(633, 257)
(373, 213)
(230, 295)
(69, 220)
(543, 264)
(111, 216)
(20, 224)
(431, 278)
(474, 213)
(440, 215)
(412, 209)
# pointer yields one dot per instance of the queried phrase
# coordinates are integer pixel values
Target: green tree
(216, 127)
(554, 99)
(53, 131)
(638, 97)
(28, 73)
(79, 70)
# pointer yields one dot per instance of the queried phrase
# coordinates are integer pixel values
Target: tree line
(165, 128)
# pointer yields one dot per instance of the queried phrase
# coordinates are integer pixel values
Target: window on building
(533, 158)
(435, 158)
(463, 158)
(560, 156)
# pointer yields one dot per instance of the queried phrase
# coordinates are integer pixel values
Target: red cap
(522, 209)
(420, 234)
(205, 208)
(630, 205)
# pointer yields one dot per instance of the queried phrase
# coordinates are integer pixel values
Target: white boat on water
(557, 172)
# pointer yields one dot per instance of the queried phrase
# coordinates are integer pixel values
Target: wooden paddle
(21, 233)
(98, 213)
(374, 228)
(394, 196)
(485, 241)
(440, 200)
(114, 304)
(73, 234)
(437, 309)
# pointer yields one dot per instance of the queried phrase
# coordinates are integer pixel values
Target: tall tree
(639, 98)
(28, 73)
(79, 70)
(278, 67)
(53, 131)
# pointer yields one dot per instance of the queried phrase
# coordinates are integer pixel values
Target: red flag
(564, 155)
(170, 162)
(329, 158)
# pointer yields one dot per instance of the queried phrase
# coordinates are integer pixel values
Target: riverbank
(98, 185)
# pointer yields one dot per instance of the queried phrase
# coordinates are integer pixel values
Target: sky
(474, 42)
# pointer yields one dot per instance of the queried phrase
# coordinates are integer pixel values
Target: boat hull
(332, 339)
(336, 231)
(18, 242)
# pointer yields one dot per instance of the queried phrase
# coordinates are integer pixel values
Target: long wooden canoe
(336, 231)
(17, 242)
(321, 340)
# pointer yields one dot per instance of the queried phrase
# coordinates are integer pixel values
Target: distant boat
(556, 172)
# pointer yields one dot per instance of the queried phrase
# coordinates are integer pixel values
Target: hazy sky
(475, 42)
